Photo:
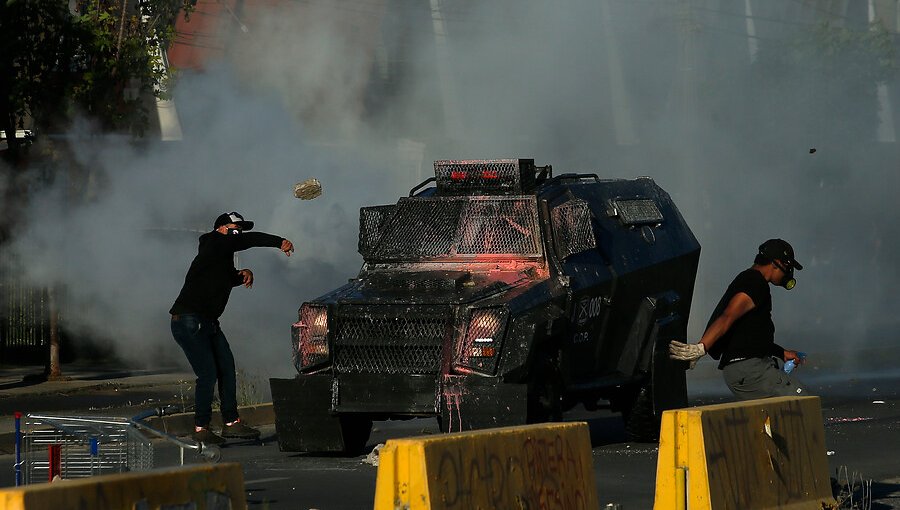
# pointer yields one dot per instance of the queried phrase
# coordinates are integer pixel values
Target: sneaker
(237, 430)
(204, 435)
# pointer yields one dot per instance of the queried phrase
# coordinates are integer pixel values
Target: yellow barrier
(759, 454)
(546, 466)
(205, 486)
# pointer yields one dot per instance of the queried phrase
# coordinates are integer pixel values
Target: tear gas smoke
(365, 94)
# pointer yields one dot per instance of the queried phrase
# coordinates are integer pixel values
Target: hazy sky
(364, 94)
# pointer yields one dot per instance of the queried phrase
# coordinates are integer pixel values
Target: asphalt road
(862, 437)
(862, 425)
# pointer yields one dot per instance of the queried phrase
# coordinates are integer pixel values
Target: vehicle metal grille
(401, 284)
(491, 175)
(572, 228)
(465, 227)
(371, 220)
(421, 228)
(498, 227)
(390, 339)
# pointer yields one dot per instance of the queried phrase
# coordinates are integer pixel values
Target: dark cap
(779, 249)
(232, 217)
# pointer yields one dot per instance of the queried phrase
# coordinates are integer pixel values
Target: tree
(102, 60)
(37, 44)
(120, 59)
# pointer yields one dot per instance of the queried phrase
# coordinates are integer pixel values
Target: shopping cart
(80, 446)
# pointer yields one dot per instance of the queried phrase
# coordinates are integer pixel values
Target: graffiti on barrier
(535, 473)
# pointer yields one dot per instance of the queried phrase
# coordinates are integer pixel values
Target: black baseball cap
(233, 217)
(781, 250)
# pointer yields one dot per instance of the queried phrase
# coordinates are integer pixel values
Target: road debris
(372, 457)
(835, 419)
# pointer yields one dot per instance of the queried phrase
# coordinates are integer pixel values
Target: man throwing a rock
(195, 320)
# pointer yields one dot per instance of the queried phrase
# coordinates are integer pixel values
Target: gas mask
(788, 282)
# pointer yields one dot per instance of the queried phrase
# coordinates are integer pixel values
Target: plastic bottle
(791, 364)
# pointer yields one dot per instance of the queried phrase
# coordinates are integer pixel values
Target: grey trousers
(761, 378)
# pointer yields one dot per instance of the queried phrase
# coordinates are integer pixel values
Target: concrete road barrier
(204, 487)
(759, 454)
(546, 466)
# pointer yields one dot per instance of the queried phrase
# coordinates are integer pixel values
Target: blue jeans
(208, 352)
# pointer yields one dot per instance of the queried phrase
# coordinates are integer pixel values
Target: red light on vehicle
(480, 351)
(484, 176)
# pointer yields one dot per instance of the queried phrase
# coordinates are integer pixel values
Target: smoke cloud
(702, 96)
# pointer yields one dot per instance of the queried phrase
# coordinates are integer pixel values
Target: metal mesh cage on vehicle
(572, 232)
(460, 227)
(420, 228)
(490, 176)
(389, 339)
(499, 227)
(638, 211)
(371, 220)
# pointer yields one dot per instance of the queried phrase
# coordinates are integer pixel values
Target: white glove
(686, 352)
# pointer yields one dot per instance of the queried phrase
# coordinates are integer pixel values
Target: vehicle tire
(545, 392)
(641, 424)
(356, 431)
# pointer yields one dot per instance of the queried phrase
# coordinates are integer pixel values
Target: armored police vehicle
(497, 294)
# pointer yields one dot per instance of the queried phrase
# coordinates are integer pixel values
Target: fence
(24, 321)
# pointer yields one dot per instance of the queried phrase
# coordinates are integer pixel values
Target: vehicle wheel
(356, 433)
(641, 424)
(545, 392)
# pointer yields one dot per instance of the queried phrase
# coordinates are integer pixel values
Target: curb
(75, 386)
(181, 424)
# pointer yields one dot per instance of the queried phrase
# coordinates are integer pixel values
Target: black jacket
(212, 274)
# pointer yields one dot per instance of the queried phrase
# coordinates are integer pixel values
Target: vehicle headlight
(480, 347)
(310, 337)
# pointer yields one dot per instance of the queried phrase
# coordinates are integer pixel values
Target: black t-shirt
(212, 274)
(753, 335)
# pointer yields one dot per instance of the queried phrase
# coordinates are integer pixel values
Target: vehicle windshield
(451, 228)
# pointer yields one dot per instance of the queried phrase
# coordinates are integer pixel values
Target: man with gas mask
(195, 320)
(741, 334)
